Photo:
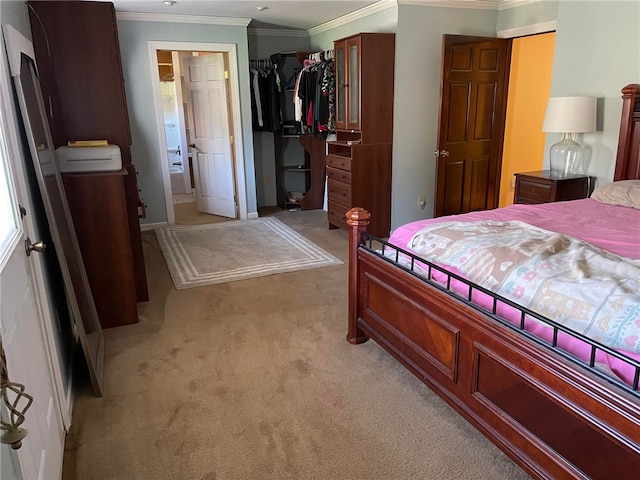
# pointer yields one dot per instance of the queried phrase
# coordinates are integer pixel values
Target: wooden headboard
(628, 158)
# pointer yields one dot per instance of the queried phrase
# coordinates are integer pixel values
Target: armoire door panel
(77, 74)
(353, 87)
(341, 88)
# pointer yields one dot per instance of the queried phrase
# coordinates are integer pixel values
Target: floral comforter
(587, 289)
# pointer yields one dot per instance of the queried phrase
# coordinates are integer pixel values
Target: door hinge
(231, 139)
(226, 74)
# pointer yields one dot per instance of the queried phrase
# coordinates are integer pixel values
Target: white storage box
(89, 159)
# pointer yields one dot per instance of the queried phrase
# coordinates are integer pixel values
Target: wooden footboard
(554, 418)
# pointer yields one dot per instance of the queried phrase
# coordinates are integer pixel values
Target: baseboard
(145, 227)
(253, 215)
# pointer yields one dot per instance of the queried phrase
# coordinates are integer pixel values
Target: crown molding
(507, 4)
(350, 17)
(528, 30)
(470, 4)
(268, 32)
(161, 17)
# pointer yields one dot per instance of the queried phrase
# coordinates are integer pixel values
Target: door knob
(192, 145)
(441, 153)
(33, 247)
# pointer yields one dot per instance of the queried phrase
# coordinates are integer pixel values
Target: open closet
(293, 97)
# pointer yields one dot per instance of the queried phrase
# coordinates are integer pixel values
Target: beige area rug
(199, 255)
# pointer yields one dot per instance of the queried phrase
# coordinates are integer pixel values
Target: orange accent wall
(529, 87)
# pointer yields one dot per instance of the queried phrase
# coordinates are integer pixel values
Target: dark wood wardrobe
(78, 57)
(359, 161)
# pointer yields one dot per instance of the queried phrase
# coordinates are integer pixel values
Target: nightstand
(546, 186)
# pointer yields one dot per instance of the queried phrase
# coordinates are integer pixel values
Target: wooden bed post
(629, 125)
(357, 219)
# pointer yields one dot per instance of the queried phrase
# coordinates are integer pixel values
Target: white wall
(386, 20)
(527, 14)
(596, 54)
(417, 97)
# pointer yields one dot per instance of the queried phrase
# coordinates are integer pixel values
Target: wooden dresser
(545, 186)
(78, 56)
(359, 161)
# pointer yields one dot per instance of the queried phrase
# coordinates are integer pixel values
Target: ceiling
(285, 14)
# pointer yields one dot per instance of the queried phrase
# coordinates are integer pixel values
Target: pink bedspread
(613, 228)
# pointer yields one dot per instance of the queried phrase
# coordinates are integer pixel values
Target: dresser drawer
(336, 213)
(338, 161)
(339, 175)
(339, 192)
(530, 192)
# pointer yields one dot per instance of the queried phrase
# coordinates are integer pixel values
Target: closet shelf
(295, 168)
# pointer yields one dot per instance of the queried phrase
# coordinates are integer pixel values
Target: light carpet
(184, 198)
(199, 255)
(254, 380)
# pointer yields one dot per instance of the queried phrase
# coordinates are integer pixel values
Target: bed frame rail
(393, 254)
(553, 419)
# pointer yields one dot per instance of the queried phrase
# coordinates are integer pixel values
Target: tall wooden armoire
(359, 161)
(78, 57)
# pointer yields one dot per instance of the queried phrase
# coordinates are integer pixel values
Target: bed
(558, 402)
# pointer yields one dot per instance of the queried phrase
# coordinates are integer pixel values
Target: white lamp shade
(570, 115)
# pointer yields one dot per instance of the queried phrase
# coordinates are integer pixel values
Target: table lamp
(569, 115)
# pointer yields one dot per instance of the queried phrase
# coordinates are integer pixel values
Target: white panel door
(23, 336)
(212, 155)
(28, 363)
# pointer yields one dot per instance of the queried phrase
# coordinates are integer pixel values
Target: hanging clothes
(265, 96)
(327, 104)
(256, 100)
(315, 97)
(313, 89)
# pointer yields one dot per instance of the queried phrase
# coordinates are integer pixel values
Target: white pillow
(625, 193)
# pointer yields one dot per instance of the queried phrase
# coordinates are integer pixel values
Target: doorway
(470, 181)
(530, 88)
(203, 172)
(472, 113)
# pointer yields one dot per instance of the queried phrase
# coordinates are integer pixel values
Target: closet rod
(260, 63)
(321, 56)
